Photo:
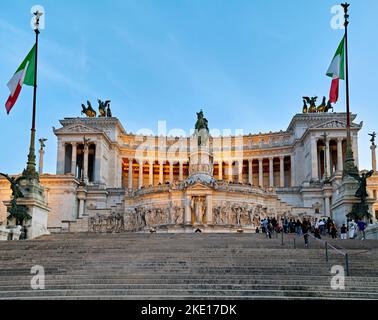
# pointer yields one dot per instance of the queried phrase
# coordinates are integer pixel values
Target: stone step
(174, 293)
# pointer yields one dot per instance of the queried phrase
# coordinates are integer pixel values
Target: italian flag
(23, 75)
(336, 71)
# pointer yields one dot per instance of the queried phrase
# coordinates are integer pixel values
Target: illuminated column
(209, 209)
(86, 152)
(181, 171)
(130, 182)
(73, 163)
(271, 175)
(140, 180)
(292, 170)
(188, 211)
(161, 173)
(314, 159)
(250, 171)
(220, 175)
(240, 171)
(230, 171)
(355, 149)
(373, 157)
(261, 177)
(282, 172)
(340, 166)
(170, 172)
(327, 159)
(151, 174)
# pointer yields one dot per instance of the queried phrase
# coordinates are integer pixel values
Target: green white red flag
(336, 71)
(23, 75)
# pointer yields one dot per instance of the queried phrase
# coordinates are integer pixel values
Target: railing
(327, 246)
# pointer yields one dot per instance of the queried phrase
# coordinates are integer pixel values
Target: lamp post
(30, 172)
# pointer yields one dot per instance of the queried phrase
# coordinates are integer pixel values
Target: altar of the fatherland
(109, 180)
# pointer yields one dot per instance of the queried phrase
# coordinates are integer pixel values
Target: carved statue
(15, 186)
(373, 136)
(17, 212)
(103, 107)
(362, 185)
(109, 112)
(322, 106)
(42, 143)
(328, 106)
(202, 127)
(305, 108)
(88, 111)
(361, 210)
(312, 103)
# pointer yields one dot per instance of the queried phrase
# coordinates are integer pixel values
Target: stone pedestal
(344, 199)
(34, 199)
(371, 232)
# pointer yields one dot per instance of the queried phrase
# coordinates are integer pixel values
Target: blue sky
(247, 63)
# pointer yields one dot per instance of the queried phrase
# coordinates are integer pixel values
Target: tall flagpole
(349, 166)
(30, 172)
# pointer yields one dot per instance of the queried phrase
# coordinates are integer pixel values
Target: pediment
(334, 124)
(77, 129)
(198, 186)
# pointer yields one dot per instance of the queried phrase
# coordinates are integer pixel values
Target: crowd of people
(317, 227)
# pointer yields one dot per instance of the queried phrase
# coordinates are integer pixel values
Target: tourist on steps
(333, 231)
(305, 229)
(343, 232)
(298, 228)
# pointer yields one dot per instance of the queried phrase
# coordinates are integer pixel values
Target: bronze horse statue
(312, 103)
(88, 111)
(103, 107)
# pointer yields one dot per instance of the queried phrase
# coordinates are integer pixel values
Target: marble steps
(134, 266)
(186, 294)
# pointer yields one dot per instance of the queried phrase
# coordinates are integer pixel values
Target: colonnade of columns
(75, 160)
(264, 172)
(323, 160)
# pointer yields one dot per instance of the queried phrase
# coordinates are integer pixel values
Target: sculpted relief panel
(225, 213)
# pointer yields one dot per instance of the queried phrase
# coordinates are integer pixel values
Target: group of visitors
(318, 227)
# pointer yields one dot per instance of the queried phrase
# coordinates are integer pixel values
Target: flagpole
(30, 171)
(349, 166)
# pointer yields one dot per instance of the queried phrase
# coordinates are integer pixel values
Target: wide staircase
(185, 266)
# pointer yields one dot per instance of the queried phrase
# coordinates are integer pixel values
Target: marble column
(327, 159)
(209, 209)
(60, 157)
(181, 171)
(188, 211)
(282, 172)
(41, 155)
(220, 174)
(140, 179)
(340, 166)
(271, 172)
(292, 171)
(327, 211)
(73, 161)
(240, 171)
(261, 173)
(151, 173)
(314, 159)
(230, 171)
(130, 182)
(171, 172)
(161, 173)
(373, 157)
(86, 153)
(250, 171)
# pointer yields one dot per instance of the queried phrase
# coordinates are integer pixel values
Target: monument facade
(109, 180)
